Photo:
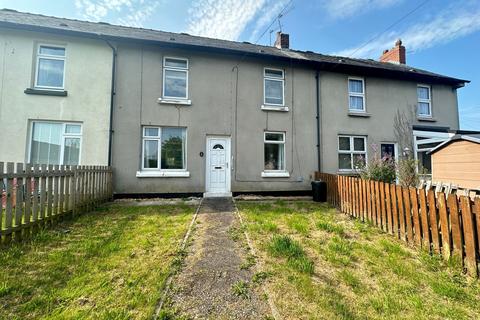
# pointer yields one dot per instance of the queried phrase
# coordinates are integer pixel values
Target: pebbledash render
(200, 115)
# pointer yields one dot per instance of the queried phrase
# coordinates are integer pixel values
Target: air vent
(172, 39)
(261, 51)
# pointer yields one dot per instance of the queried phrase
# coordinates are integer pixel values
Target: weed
(260, 277)
(241, 289)
(284, 246)
(248, 263)
(330, 227)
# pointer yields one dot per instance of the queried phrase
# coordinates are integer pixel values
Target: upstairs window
(352, 152)
(175, 78)
(273, 87)
(50, 69)
(55, 143)
(164, 148)
(274, 151)
(424, 106)
(356, 95)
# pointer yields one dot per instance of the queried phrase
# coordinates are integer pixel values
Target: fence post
(468, 234)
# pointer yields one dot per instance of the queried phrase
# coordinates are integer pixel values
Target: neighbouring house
(457, 161)
(200, 115)
(54, 93)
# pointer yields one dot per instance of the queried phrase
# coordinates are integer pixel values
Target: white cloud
(266, 16)
(127, 12)
(223, 19)
(339, 9)
(446, 26)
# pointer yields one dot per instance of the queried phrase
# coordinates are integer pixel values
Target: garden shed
(457, 161)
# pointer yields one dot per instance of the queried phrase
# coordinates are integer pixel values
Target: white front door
(218, 166)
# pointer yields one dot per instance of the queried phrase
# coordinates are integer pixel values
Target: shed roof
(475, 138)
(36, 22)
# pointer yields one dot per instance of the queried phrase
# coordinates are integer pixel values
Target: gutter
(317, 86)
(112, 97)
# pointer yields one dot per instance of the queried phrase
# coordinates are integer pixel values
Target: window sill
(359, 114)
(163, 174)
(274, 108)
(45, 92)
(279, 174)
(428, 119)
(182, 102)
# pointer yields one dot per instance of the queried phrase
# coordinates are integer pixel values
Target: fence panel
(35, 196)
(447, 225)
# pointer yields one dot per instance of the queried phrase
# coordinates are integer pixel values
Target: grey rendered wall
(216, 110)
(383, 98)
(87, 80)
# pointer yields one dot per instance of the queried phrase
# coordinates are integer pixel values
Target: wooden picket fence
(444, 225)
(35, 196)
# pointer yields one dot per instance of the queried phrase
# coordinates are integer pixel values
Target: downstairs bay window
(163, 152)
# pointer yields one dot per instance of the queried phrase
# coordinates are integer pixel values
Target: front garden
(108, 264)
(321, 264)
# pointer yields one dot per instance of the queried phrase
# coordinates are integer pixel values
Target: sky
(440, 36)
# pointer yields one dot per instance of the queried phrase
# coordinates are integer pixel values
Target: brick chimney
(283, 40)
(395, 55)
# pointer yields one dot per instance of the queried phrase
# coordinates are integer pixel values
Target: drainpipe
(319, 160)
(112, 95)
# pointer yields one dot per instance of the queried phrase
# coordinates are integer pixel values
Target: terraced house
(199, 115)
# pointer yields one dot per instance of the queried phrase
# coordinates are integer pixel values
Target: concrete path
(216, 264)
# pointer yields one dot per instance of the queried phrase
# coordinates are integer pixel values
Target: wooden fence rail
(36, 195)
(447, 225)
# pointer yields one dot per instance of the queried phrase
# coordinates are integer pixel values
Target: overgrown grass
(108, 264)
(356, 271)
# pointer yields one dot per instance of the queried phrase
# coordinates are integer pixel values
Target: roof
(475, 138)
(41, 23)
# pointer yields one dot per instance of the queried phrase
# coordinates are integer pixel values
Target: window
(356, 95)
(352, 152)
(164, 148)
(175, 78)
(274, 151)
(273, 85)
(424, 107)
(55, 143)
(423, 142)
(50, 70)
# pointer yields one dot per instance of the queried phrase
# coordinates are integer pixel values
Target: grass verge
(323, 265)
(109, 264)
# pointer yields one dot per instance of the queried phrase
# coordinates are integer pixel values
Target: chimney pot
(282, 41)
(395, 55)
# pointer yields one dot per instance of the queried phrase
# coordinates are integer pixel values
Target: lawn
(320, 264)
(108, 264)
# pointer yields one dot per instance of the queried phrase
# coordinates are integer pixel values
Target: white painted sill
(363, 114)
(183, 102)
(280, 174)
(163, 174)
(426, 118)
(274, 108)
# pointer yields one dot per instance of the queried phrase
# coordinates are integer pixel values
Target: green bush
(380, 169)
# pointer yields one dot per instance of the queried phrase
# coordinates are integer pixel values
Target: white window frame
(282, 80)
(428, 138)
(275, 173)
(159, 152)
(186, 70)
(64, 137)
(356, 94)
(352, 151)
(429, 101)
(50, 57)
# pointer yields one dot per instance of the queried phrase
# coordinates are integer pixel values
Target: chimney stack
(283, 41)
(395, 55)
